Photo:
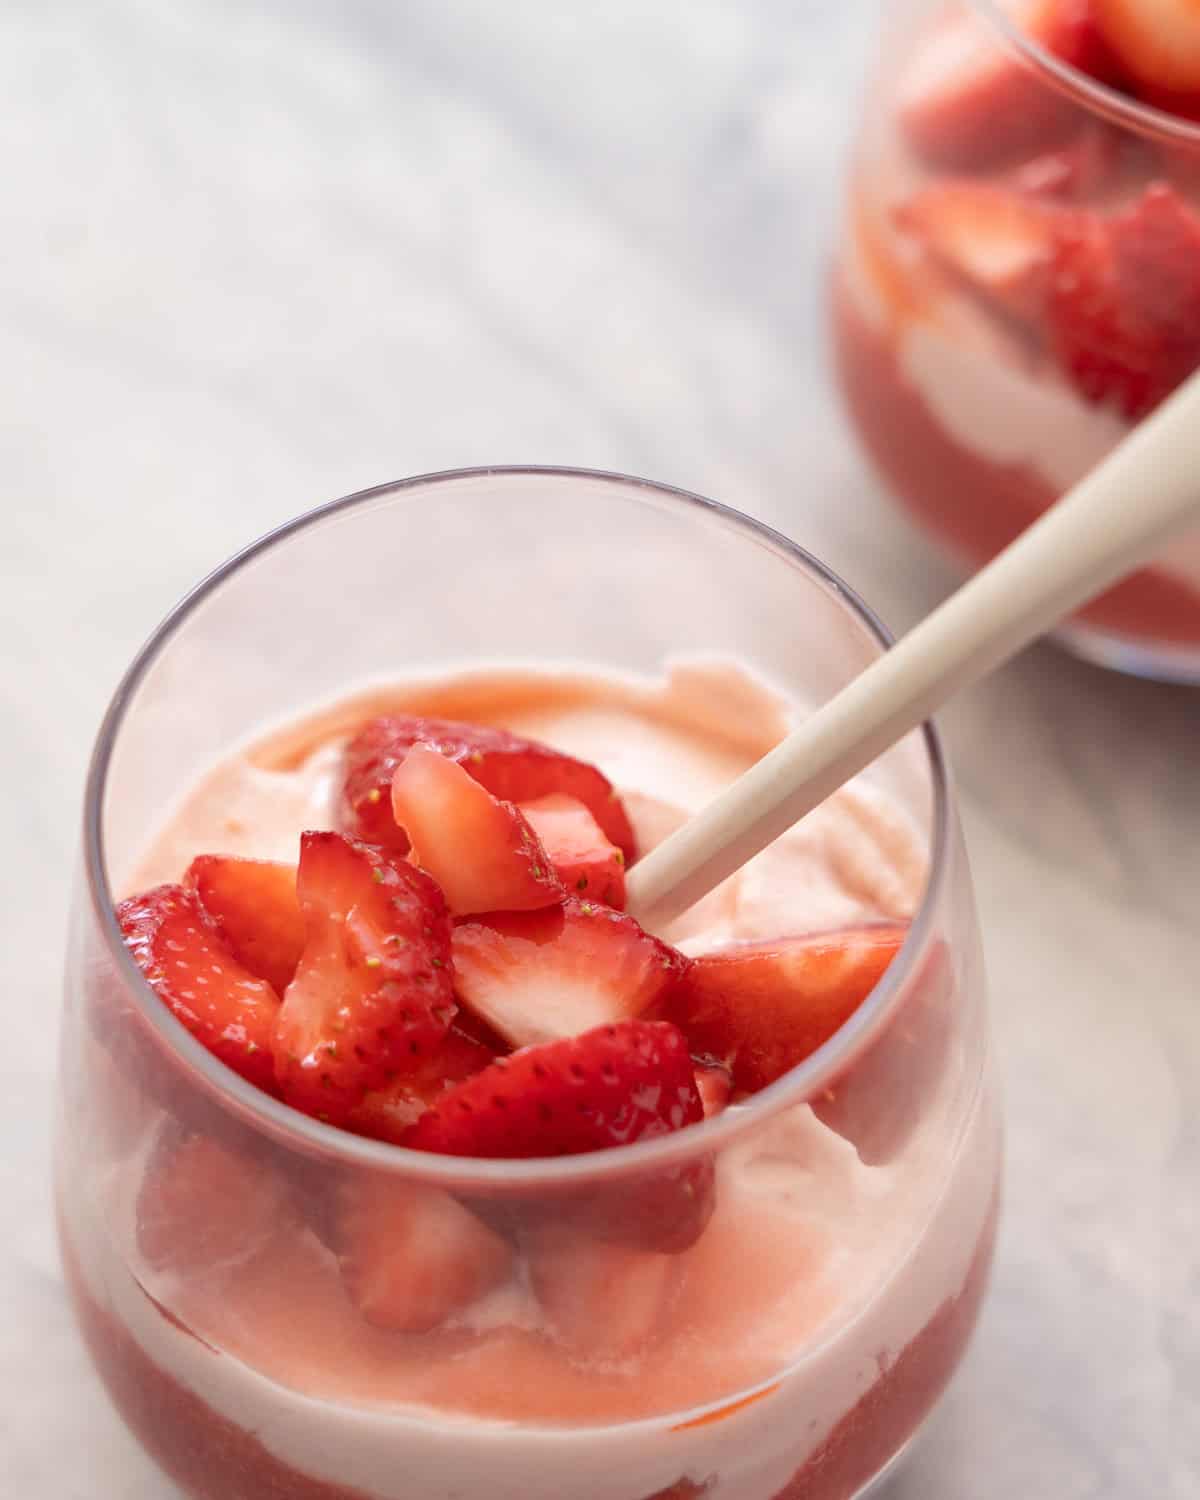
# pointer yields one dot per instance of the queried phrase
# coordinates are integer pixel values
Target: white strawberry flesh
(548, 975)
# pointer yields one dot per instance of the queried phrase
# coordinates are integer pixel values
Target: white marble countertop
(260, 253)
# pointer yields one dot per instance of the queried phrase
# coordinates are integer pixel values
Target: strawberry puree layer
(213, 1458)
(817, 1283)
(956, 440)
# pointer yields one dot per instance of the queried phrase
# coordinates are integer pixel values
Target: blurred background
(255, 255)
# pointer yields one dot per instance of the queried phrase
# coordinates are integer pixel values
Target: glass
(1018, 283)
(784, 1379)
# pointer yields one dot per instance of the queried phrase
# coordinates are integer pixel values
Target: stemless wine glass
(816, 1319)
(1017, 284)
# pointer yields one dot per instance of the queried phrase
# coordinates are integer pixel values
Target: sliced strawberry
(604, 1302)
(968, 101)
(1157, 44)
(254, 906)
(412, 1256)
(715, 1081)
(389, 1113)
(512, 768)
(765, 1007)
(1103, 346)
(1124, 300)
(882, 1095)
(372, 996)
(551, 974)
(203, 1207)
(585, 860)
(996, 242)
(1179, 166)
(1086, 168)
(222, 1004)
(609, 1087)
(1156, 242)
(480, 850)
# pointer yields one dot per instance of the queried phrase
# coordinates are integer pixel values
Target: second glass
(1018, 284)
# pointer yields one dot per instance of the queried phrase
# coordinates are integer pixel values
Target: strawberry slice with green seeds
(480, 850)
(372, 997)
(609, 1087)
(537, 976)
(584, 859)
(763, 1007)
(228, 1009)
(254, 905)
(510, 767)
(388, 1114)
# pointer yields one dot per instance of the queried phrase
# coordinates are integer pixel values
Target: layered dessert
(1019, 281)
(402, 918)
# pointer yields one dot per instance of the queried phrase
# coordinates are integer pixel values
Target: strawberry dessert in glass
(396, 1161)
(1019, 277)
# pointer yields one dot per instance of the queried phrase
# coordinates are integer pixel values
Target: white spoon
(1143, 494)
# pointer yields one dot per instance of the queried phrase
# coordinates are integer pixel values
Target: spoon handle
(1144, 493)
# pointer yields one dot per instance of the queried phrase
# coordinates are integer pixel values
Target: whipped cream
(996, 400)
(816, 1270)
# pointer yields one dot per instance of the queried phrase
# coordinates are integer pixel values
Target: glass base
(1157, 663)
(880, 1486)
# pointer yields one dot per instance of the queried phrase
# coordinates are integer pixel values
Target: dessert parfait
(1019, 277)
(398, 1161)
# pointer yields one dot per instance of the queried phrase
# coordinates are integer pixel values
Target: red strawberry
(389, 1113)
(202, 1207)
(221, 1003)
(253, 903)
(603, 1301)
(765, 1007)
(512, 768)
(994, 241)
(609, 1087)
(715, 1082)
(543, 975)
(411, 1256)
(968, 101)
(1157, 43)
(1094, 163)
(481, 851)
(882, 1094)
(586, 862)
(372, 995)
(1124, 301)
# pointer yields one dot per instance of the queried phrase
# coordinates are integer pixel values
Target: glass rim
(312, 1137)
(1100, 98)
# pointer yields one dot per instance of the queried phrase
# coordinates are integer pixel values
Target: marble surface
(259, 253)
